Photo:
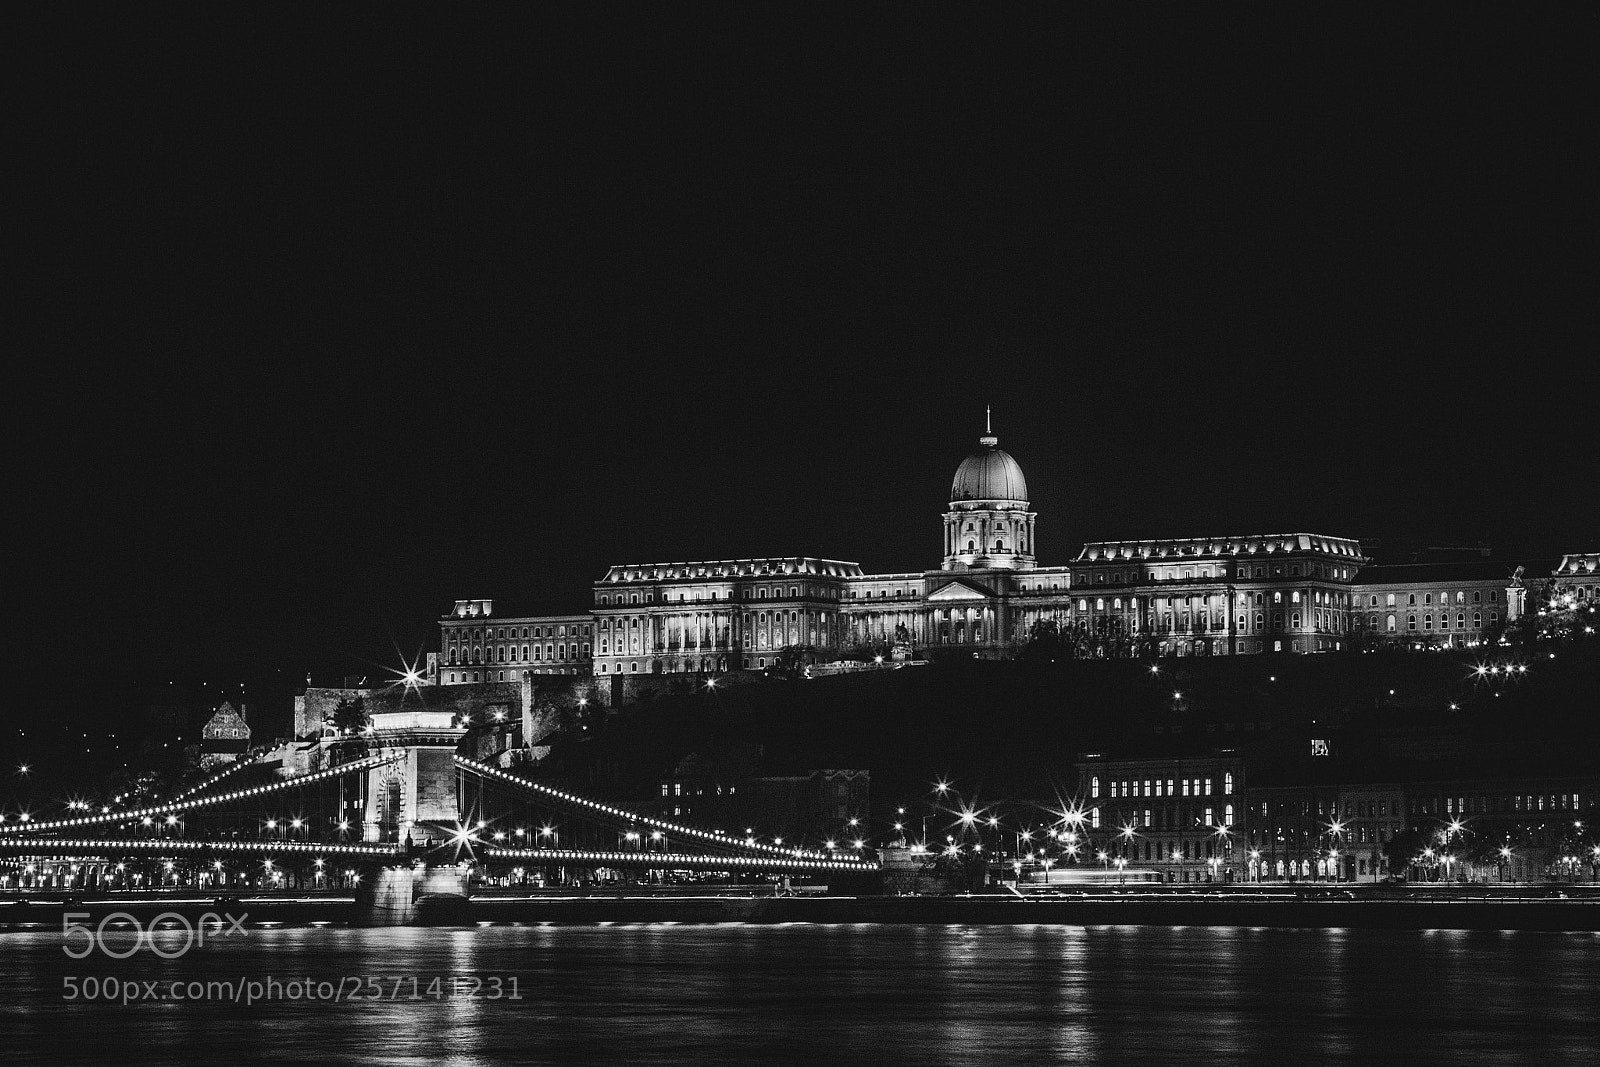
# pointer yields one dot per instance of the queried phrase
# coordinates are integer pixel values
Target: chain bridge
(398, 815)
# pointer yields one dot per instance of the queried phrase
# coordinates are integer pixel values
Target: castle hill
(1190, 722)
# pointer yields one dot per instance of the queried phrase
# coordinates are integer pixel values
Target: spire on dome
(988, 440)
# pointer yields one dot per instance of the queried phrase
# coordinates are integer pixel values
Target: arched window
(1227, 786)
(1094, 787)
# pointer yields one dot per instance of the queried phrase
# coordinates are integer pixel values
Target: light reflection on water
(732, 993)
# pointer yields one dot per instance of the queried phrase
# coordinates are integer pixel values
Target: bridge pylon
(415, 796)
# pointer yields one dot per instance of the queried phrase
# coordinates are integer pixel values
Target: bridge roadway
(100, 849)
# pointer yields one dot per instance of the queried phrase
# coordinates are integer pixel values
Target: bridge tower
(415, 796)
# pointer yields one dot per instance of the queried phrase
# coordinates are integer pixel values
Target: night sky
(333, 316)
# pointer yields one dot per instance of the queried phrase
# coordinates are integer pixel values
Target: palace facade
(1218, 596)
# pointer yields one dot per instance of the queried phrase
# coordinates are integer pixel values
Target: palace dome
(989, 474)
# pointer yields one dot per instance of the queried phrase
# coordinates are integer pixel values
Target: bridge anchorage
(397, 817)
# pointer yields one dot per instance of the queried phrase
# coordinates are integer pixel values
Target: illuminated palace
(1293, 593)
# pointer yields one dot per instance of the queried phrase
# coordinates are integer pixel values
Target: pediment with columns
(959, 592)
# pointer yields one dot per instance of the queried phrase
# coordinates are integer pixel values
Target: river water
(821, 994)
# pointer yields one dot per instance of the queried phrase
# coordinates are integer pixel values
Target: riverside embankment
(1568, 908)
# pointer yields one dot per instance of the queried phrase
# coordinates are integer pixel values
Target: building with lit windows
(473, 647)
(1337, 826)
(1182, 816)
(1194, 596)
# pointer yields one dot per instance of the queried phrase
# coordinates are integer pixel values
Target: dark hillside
(1005, 730)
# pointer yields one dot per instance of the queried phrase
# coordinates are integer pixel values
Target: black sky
(333, 316)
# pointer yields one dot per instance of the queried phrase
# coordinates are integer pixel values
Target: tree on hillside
(1044, 643)
(350, 716)
(792, 660)
(1103, 637)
